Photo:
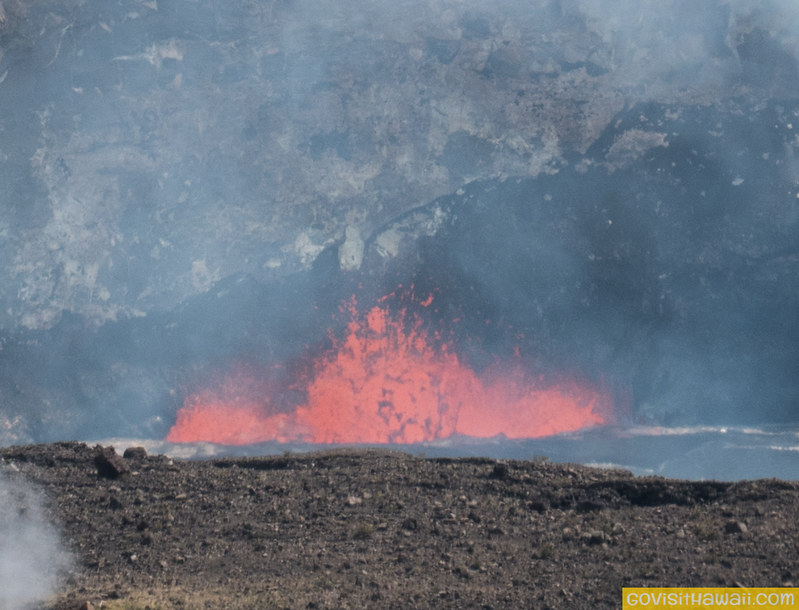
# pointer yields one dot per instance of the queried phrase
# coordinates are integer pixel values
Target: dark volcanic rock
(287, 531)
(736, 527)
(135, 453)
(109, 463)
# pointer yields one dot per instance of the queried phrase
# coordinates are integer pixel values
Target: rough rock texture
(662, 263)
(384, 530)
(191, 184)
(109, 463)
(154, 149)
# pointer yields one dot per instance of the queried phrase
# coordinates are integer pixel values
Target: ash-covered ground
(383, 529)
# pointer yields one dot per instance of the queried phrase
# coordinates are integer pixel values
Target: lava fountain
(389, 380)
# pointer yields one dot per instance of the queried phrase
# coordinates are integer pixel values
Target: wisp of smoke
(31, 555)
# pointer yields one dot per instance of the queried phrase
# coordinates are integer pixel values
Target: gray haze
(191, 183)
(153, 149)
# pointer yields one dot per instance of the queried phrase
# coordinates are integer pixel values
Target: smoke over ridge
(607, 188)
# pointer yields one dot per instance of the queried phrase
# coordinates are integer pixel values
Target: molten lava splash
(388, 381)
(238, 412)
(384, 383)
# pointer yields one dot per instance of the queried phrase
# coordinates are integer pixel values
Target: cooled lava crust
(380, 529)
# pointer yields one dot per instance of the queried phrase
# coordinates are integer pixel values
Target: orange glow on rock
(388, 381)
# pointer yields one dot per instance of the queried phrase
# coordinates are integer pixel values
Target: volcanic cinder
(382, 529)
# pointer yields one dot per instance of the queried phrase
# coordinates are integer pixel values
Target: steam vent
(515, 228)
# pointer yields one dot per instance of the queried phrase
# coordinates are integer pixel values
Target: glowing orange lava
(238, 412)
(388, 381)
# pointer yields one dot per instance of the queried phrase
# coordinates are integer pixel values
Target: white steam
(654, 50)
(31, 556)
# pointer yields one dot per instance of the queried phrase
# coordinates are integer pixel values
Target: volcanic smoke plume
(31, 556)
(387, 380)
(603, 199)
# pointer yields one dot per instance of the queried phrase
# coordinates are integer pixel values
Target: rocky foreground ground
(380, 529)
